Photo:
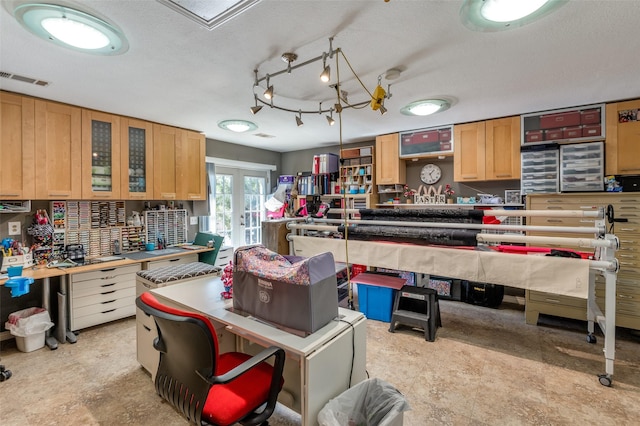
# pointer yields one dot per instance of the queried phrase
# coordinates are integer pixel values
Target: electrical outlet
(14, 228)
(193, 220)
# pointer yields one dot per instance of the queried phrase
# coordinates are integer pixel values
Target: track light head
(268, 94)
(326, 74)
(383, 110)
(256, 109)
(330, 120)
(299, 119)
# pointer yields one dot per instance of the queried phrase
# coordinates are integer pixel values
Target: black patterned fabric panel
(178, 272)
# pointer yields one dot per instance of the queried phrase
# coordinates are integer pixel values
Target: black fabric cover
(424, 215)
(416, 235)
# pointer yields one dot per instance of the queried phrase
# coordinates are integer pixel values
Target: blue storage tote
(376, 294)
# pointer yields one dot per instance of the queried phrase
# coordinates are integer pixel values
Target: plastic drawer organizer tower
(418, 307)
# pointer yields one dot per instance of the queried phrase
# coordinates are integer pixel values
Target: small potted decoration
(448, 191)
(408, 194)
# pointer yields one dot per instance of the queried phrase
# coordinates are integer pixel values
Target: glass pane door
(239, 205)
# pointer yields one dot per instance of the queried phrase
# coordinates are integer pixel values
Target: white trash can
(372, 402)
(29, 327)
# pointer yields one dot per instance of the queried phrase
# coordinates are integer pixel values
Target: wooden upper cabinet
(136, 154)
(487, 150)
(17, 147)
(469, 152)
(191, 166)
(100, 155)
(165, 144)
(502, 151)
(390, 169)
(623, 138)
(58, 130)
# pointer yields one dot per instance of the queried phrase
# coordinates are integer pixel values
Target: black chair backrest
(188, 352)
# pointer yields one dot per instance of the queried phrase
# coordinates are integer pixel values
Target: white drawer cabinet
(187, 258)
(101, 296)
(225, 255)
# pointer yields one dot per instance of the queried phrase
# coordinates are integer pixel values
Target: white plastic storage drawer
(101, 296)
(225, 255)
(582, 167)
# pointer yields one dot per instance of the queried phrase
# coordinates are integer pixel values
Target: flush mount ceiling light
(269, 90)
(238, 126)
(499, 15)
(425, 107)
(71, 28)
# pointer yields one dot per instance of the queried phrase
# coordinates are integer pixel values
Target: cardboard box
(560, 119)
(24, 260)
(572, 132)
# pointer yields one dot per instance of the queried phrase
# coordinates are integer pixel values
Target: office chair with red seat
(205, 386)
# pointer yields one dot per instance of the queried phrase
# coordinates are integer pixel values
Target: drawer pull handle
(146, 328)
(107, 270)
(110, 301)
(554, 201)
(106, 312)
(108, 292)
(173, 260)
(624, 296)
(553, 300)
(107, 285)
(554, 220)
(627, 255)
(108, 278)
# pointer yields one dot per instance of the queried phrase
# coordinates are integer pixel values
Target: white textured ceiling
(178, 73)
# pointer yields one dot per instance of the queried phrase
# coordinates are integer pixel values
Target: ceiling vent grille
(24, 79)
(210, 14)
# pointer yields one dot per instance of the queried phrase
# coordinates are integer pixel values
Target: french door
(239, 205)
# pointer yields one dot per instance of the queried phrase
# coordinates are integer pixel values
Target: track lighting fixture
(338, 98)
(256, 109)
(268, 94)
(330, 119)
(383, 110)
(326, 70)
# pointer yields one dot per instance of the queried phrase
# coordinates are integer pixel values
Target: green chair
(202, 239)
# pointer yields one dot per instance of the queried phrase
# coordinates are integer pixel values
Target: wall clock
(430, 174)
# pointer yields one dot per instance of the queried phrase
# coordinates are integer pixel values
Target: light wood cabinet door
(390, 169)
(469, 152)
(165, 143)
(191, 167)
(58, 146)
(623, 140)
(100, 155)
(136, 154)
(502, 149)
(17, 147)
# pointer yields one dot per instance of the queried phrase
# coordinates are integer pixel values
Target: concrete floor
(486, 367)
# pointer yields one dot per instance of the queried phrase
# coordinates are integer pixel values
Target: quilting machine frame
(568, 276)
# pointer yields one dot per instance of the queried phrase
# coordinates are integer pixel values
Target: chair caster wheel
(591, 338)
(605, 380)
(4, 374)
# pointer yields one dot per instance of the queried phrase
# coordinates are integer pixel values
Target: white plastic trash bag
(28, 322)
(372, 402)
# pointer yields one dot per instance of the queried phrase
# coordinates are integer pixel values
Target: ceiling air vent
(24, 79)
(263, 135)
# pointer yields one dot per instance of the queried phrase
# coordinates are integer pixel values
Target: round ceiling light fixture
(237, 126)
(499, 15)
(426, 107)
(71, 28)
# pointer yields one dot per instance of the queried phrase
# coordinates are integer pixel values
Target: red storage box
(533, 136)
(590, 116)
(445, 135)
(420, 137)
(561, 119)
(553, 134)
(572, 132)
(591, 130)
(445, 146)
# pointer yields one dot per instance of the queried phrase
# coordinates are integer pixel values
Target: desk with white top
(318, 367)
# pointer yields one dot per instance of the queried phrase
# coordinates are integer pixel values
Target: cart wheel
(605, 380)
(591, 338)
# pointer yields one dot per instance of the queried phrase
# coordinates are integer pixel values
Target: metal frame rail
(605, 246)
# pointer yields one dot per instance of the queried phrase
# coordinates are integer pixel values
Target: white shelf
(15, 206)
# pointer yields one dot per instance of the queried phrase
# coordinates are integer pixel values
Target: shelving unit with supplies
(357, 172)
(171, 225)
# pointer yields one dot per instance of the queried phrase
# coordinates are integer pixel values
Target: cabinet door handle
(9, 195)
(629, 170)
(553, 300)
(504, 175)
(59, 195)
(470, 177)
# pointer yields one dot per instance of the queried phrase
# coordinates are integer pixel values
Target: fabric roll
(439, 236)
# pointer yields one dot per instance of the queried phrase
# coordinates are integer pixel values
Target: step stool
(417, 307)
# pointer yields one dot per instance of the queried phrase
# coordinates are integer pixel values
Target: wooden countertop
(41, 271)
